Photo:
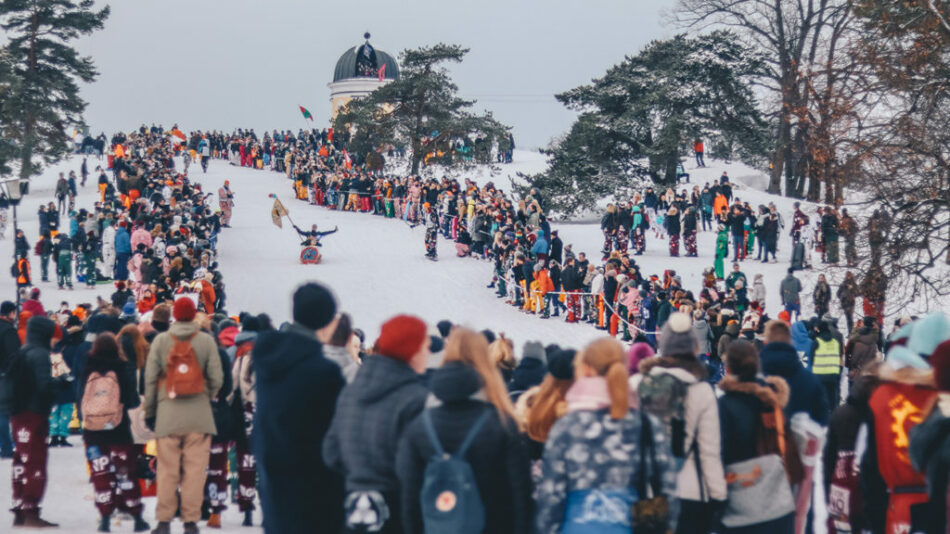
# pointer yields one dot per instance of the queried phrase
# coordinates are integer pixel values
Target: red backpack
(183, 376)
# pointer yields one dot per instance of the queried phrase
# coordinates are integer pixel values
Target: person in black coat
(497, 453)
(741, 407)
(779, 358)
(112, 454)
(557, 247)
(386, 394)
(29, 419)
(530, 370)
(9, 346)
(297, 390)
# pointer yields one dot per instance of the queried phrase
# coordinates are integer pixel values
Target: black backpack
(450, 500)
(16, 382)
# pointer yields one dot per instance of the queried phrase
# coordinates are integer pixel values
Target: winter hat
(184, 310)
(489, 335)
(561, 364)
(401, 337)
(436, 344)
(928, 333)
(940, 360)
(314, 305)
(35, 293)
(129, 308)
(533, 349)
(7, 308)
(73, 321)
(444, 327)
(250, 323)
(677, 336)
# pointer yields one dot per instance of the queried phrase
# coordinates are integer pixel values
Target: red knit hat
(940, 361)
(184, 309)
(785, 316)
(401, 337)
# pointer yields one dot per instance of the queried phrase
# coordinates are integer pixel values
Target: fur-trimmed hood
(694, 367)
(907, 375)
(773, 391)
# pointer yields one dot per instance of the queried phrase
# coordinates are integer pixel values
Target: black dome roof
(346, 66)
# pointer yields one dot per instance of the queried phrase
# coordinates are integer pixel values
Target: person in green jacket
(722, 250)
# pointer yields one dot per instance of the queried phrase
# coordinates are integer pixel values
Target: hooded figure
(295, 384)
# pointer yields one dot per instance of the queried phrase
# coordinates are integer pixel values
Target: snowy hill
(376, 265)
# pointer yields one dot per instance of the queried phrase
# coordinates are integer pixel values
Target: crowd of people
(713, 419)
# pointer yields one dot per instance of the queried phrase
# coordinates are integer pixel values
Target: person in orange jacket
(699, 149)
(207, 294)
(545, 286)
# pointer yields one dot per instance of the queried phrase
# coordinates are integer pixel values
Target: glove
(150, 423)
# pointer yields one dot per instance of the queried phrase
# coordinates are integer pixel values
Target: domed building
(360, 71)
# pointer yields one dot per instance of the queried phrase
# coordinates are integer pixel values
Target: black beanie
(561, 364)
(7, 307)
(444, 328)
(314, 305)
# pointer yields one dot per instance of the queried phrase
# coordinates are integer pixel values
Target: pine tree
(41, 96)
(421, 109)
(640, 118)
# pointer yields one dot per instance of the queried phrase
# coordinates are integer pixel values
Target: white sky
(229, 63)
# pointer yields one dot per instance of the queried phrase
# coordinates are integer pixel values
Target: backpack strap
(463, 448)
(430, 431)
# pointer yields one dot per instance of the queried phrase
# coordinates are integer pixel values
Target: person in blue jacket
(540, 248)
(123, 251)
(802, 342)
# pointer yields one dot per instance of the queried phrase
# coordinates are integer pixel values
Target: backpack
(663, 396)
(772, 437)
(450, 500)
(101, 405)
(16, 383)
(183, 376)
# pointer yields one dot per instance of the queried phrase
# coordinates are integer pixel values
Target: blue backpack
(450, 500)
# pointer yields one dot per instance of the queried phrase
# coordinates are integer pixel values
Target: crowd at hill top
(713, 419)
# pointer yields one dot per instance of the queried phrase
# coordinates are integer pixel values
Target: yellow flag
(278, 212)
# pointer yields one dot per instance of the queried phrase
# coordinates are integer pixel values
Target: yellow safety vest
(827, 357)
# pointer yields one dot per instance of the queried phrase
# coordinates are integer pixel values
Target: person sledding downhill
(312, 237)
(432, 231)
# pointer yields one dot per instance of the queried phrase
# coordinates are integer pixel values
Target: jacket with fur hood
(740, 410)
(702, 427)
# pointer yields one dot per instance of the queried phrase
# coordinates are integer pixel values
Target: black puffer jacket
(371, 414)
(497, 455)
(39, 333)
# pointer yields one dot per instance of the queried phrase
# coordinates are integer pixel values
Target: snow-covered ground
(377, 269)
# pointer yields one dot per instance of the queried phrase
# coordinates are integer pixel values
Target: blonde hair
(501, 354)
(548, 405)
(605, 357)
(471, 348)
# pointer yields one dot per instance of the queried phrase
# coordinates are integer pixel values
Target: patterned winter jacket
(587, 449)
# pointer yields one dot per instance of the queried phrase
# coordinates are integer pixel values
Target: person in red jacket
(891, 484)
(698, 149)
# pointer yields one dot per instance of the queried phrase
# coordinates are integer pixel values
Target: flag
(177, 133)
(306, 113)
(382, 72)
(278, 212)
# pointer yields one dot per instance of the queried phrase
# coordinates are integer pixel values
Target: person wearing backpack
(672, 387)
(296, 390)
(182, 374)
(9, 346)
(598, 456)
(29, 376)
(463, 466)
(746, 401)
(371, 414)
(107, 391)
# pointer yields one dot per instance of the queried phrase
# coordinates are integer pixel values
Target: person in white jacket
(108, 251)
(701, 483)
(758, 290)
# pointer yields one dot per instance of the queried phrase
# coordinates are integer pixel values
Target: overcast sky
(221, 64)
